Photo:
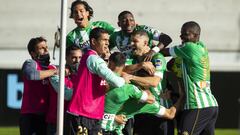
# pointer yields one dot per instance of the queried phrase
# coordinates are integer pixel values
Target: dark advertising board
(225, 86)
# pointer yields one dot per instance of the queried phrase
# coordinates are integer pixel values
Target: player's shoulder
(158, 56)
(72, 31)
(29, 61)
(145, 28)
(115, 34)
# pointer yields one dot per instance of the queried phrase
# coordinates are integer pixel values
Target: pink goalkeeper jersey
(88, 93)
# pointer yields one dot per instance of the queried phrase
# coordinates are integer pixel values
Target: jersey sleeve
(153, 33)
(98, 66)
(183, 51)
(30, 70)
(159, 62)
(54, 80)
(135, 93)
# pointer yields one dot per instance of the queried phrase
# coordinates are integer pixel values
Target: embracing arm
(150, 81)
(30, 71)
(98, 66)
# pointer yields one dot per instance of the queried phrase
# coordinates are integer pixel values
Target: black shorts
(198, 121)
(84, 125)
(32, 123)
(148, 124)
(109, 133)
(128, 129)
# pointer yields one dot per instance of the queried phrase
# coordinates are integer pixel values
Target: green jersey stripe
(185, 85)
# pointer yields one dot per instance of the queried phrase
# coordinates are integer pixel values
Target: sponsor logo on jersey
(108, 116)
(158, 63)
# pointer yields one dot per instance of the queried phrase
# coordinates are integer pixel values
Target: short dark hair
(96, 33)
(34, 42)
(85, 4)
(140, 32)
(124, 13)
(193, 26)
(71, 48)
(117, 58)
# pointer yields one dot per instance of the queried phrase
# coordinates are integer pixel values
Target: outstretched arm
(54, 80)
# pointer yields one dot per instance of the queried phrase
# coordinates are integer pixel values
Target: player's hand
(120, 119)
(151, 98)
(166, 95)
(148, 66)
(127, 77)
(149, 55)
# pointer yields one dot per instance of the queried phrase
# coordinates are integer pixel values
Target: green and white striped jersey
(122, 40)
(196, 74)
(114, 100)
(80, 36)
(160, 64)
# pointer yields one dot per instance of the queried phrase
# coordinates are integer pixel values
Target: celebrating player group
(118, 82)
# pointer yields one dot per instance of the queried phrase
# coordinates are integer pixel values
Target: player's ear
(145, 42)
(118, 24)
(93, 41)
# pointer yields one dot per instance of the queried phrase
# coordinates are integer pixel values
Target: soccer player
(124, 101)
(35, 94)
(81, 13)
(73, 56)
(121, 39)
(87, 104)
(201, 108)
(174, 78)
(156, 83)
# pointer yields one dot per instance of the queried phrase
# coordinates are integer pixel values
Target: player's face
(187, 35)
(80, 15)
(74, 57)
(101, 44)
(41, 49)
(138, 44)
(127, 23)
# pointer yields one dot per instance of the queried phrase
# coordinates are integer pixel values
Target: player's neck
(118, 71)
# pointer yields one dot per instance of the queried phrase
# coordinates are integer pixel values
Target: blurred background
(21, 20)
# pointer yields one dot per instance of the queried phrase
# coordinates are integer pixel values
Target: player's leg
(170, 127)
(25, 124)
(40, 124)
(210, 128)
(128, 129)
(83, 125)
(196, 120)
